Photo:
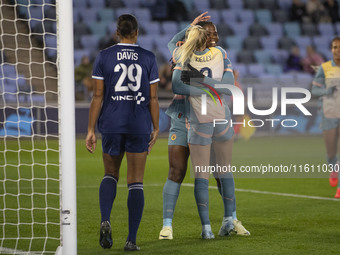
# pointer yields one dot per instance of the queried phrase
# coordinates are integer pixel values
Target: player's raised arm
(199, 18)
(172, 45)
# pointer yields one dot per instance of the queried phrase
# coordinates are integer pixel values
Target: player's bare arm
(154, 110)
(98, 92)
(201, 17)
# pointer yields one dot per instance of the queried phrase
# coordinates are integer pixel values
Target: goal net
(34, 219)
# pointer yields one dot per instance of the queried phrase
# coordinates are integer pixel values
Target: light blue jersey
(212, 62)
(327, 76)
(178, 133)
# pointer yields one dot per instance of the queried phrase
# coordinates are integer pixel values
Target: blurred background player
(82, 76)
(165, 74)
(326, 85)
(312, 58)
(294, 61)
(125, 104)
(178, 150)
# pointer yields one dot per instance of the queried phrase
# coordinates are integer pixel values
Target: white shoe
(226, 228)
(239, 229)
(207, 235)
(207, 232)
(166, 233)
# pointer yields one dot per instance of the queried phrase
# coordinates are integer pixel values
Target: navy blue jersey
(127, 71)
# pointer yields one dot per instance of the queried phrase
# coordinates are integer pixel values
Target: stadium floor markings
(4, 250)
(272, 193)
(240, 190)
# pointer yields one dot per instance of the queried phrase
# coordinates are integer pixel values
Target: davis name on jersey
(127, 54)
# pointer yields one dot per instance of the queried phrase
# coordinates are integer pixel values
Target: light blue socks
(202, 199)
(170, 195)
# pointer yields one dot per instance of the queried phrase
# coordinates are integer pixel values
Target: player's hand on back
(91, 142)
(153, 138)
(179, 43)
(192, 73)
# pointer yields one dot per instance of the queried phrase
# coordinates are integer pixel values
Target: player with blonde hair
(178, 145)
(202, 135)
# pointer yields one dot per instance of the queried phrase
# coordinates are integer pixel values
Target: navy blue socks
(135, 205)
(107, 194)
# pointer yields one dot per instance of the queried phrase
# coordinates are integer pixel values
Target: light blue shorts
(327, 123)
(178, 133)
(206, 133)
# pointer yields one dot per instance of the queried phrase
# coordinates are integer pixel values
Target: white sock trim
(110, 177)
(136, 186)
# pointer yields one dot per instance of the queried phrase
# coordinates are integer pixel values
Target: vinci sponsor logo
(239, 104)
(138, 98)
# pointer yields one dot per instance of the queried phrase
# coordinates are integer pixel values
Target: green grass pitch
(278, 224)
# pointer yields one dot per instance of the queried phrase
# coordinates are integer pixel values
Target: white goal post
(67, 127)
(38, 212)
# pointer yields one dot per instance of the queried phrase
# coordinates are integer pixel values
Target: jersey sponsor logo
(139, 98)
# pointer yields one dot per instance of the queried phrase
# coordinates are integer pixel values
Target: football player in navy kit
(124, 106)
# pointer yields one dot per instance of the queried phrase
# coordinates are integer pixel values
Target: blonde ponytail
(195, 39)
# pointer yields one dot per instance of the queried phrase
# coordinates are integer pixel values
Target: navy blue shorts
(115, 144)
